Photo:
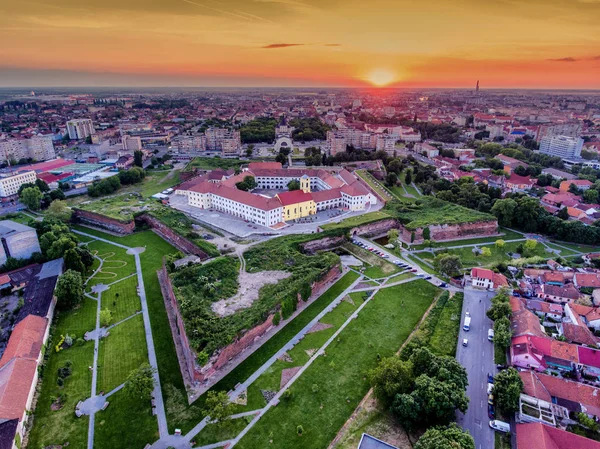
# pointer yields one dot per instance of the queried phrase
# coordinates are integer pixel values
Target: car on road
(491, 412)
(420, 275)
(397, 262)
(500, 366)
(414, 270)
(465, 342)
(500, 426)
(490, 379)
(491, 334)
(491, 399)
(490, 387)
(427, 277)
(443, 285)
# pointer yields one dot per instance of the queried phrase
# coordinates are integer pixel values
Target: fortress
(319, 190)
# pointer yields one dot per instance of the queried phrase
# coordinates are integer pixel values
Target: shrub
(60, 382)
(276, 318)
(300, 430)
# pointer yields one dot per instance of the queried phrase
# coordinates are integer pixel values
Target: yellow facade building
(297, 204)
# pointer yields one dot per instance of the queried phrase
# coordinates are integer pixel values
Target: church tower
(305, 184)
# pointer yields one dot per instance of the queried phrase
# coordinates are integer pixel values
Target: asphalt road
(478, 359)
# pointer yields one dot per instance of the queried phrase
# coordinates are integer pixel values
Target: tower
(477, 88)
(305, 184)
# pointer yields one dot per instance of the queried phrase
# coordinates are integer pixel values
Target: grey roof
(556, 172)
(52, 268)
(369, 442)
(9, 226)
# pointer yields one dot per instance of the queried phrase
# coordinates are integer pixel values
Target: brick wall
(376, 228)
(440, 233)
(325, 243)
(179, 242)
(103, 222)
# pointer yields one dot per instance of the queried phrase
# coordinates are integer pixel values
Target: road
(478, 359)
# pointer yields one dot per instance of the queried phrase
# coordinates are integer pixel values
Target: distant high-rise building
(477, 87)
(562, 146)
(80, 128)
(131, 143)
(39, 148)
(560, 129)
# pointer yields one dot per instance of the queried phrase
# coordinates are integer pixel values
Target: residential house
(590, 315)
(516, 183)
(575, 330)
(484, 278)
(586, 280)
(541, 353)
(523, 321)
(546, 310)
(553, 278)
(567, 293)
(542, 436)
(581, 184)
(510, 163)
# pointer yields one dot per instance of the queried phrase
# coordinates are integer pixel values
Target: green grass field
(376, 267)
(121, 352)
(374, 184)
(210, 163)
(327, 393)
(57, 427)
(507, 235)
(122, 299)
(356, 220)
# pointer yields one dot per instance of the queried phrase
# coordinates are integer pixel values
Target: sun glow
(380, 77)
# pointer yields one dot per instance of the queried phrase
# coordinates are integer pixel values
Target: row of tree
(110, 185)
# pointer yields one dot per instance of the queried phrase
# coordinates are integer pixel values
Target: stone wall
(185, 356)
(227, 358)
(325, 243)
(440, 233)
(179, 242)
(376, 228)
(103, 222)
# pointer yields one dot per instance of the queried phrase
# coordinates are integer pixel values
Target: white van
(491, 334)
(500, 426)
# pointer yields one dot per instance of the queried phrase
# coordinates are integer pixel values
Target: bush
(299, 430)
(276, 318)
(60, 382)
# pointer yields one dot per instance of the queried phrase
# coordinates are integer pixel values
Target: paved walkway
(157, 394)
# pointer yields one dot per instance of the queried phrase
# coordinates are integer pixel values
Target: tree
(591, 196)
(138, 158)
(500, 306)
(486, 252)
(391, 179)
(507, 390)
(392, 235)
(408, 177)
(31, 198)
(391, 377)
(563, 214)
(60, 247)
(294, 184)
(105, 317)
(502, 333)
(218, 406)
(58, 209)
(73, 261)
(530, 245)
(140, 382)
(87, 258)
(451, 437)
(248, 183)
(500, 243)
(448, 264)
(69, 290)
(504, 210)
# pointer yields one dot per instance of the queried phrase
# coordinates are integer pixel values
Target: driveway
(478, 359)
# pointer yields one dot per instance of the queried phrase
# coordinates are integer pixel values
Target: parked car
(500, 426)
(443, 285)
(490, 398)
(427, 277)
(500, 366)
(491, 334)
(490, 387)
(465, 342)
(414, 270)
(490, 379)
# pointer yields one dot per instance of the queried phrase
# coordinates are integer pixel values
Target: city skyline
(291, 43)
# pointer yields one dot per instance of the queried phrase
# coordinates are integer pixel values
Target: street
(478, 359)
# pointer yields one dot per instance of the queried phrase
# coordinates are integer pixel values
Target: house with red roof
(19, 376)
(516, 183)
(541, 353)
(542, 436)
(523, 321)
(581, 184)
(485, 278)
(555, 293)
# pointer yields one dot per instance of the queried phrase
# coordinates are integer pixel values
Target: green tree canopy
(507, 390)
(73, 261)
(218, 406)
(391, 377)
(58, 209)
(294, 184)
(140, 382)
(448, 264)
(69, 290)
(451, 437)
(31, 197)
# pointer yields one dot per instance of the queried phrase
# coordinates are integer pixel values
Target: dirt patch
(287, 374)
(242, 399)
(311, 352)
(319, 327)
(250, 284)
(285, 357)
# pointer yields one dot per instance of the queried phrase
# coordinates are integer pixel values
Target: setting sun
(380, 77)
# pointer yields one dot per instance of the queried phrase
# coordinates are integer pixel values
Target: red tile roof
(523, 321)
(294, 197)
(16, 380)
(26, 339)
(541, 436)
(587, 280)
(263, 165)
(325, 195)
(482, 273)
(233, 194)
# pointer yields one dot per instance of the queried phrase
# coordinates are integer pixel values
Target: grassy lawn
(226, 430)
(61, 426)
(126, 424)
(122, 299)
(327, 393)
(576, 247)
(445, 334)
(469, 259)
(210, 163)
(377, 267)
(156, 181)
(117, 263)
(501, 440)
(562, 251)
(400, 277)
(121, 352)
(409, 188)
(508, 235)
(356, 220)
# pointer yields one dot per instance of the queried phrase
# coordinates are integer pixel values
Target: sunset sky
(398, 43)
